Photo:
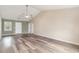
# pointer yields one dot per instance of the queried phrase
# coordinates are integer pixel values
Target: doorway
(18, 27)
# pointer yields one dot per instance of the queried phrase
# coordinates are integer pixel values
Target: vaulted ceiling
(16, 12)
(53, 7)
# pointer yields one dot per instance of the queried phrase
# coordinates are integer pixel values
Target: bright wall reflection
(7, 41)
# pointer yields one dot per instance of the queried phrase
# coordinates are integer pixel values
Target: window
(7, 26)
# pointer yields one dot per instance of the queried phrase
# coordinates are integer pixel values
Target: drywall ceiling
(53, 7)
(16, 12)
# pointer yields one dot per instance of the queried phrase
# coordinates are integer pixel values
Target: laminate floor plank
(35, 44)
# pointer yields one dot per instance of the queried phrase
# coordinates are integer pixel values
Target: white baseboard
(71, 42)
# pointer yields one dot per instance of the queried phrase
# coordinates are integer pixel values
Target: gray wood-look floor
(35, 44)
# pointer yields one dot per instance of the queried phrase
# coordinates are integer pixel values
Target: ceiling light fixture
(27, 14)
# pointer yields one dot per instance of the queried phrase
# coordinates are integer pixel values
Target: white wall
(60, 24)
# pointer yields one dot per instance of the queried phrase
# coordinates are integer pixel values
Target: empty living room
(39, 28)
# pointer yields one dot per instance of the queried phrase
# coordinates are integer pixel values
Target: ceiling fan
(26, 15)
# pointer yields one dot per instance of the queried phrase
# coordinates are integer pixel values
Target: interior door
(18, 27)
